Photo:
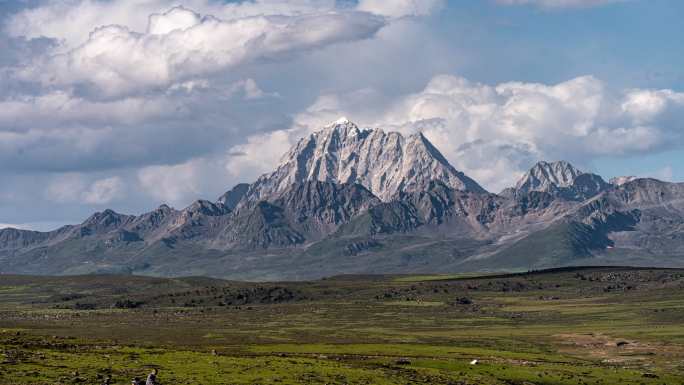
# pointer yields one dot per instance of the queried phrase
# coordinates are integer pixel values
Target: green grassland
(566, 326)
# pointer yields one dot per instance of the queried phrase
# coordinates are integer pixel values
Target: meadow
(565, 326)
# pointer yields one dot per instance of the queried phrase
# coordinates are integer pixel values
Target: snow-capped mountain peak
(384, 162)
(342, 120)
(545, 176)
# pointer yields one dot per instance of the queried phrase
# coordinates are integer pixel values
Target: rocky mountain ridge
(346, 200)
(384, 163)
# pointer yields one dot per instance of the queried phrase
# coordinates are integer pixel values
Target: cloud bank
(494, 133)
(180, 44)
(129, 111)
(67, 20)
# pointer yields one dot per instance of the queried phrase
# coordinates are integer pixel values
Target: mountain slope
(638, 222)
(305, 212)
(346, 200)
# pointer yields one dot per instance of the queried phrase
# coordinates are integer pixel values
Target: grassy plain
(572, 326)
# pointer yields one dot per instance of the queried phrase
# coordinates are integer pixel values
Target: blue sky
(633, 44)
(129, 104)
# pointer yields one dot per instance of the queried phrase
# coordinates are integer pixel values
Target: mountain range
(347, 200)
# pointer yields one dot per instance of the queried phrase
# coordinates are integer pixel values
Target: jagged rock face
(153, 220)
(530, 202)
(233, 196)
(385, 163)
(204, 207)
(643, 215)
(264, 225)
(652, 192)
(11, 238)
(104, 221)
(305, 212)
(326, 203)
(546, 176)
(439, 204)
(639, 222)
(586, 186)
(388, 218)
(559, 179)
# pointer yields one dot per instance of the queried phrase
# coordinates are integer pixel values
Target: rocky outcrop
(545, 176)
(559, 179)
(233, 196)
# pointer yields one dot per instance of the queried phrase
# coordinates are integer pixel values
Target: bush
(127, 304)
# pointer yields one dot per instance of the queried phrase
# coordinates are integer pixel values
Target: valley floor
(569, 326)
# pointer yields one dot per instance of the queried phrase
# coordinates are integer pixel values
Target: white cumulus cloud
(175, 184)
(104, 191)
(75, 188)
(176, 19)
(180, 45)
(494, 133)
(65, 188)
(66, 20)
(400, 8)
(181, 183)
(102, 102)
